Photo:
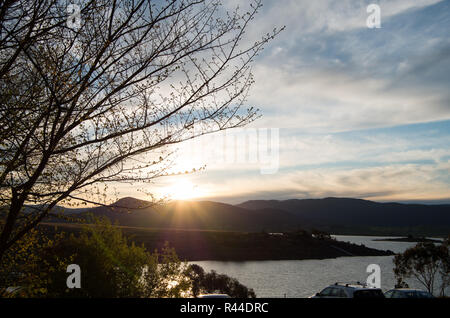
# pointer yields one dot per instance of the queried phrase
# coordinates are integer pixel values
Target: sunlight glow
(182, 190)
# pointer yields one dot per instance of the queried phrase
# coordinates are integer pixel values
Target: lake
(304, 278)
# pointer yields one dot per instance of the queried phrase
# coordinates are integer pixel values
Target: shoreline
(408, 240)
(202, 245)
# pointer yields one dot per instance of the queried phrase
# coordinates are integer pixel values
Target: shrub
(213, 282)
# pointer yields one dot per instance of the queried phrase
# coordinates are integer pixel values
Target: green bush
(213, 282)
(111, 266)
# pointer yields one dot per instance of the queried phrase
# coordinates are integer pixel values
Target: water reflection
(306, 277)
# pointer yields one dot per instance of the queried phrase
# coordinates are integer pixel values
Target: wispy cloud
(323, 75)
(348, 100)
(406, 182)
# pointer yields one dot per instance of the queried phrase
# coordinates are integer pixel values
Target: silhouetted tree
(444, 270)
(321, 235)
(84, 95)
(196, 274)
(213, 282)
(425, 262)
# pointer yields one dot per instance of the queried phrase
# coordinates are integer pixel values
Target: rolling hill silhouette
(202, 215)
(337, 215)
(362, 216)
(354, 212)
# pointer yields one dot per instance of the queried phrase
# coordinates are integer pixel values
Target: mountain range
(335, 215)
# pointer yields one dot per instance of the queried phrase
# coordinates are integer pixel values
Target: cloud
(306, 17)
(327, 73)
(386, 183)
(402, 163)
(328, 101)
(347, 100)
(379, 147)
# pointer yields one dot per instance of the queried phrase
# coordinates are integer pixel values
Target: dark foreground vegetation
(196, 245)
(425, 262)
(111, 266)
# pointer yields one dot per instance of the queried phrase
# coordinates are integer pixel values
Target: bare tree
(96, 93)
(444, 270)
(424, 262)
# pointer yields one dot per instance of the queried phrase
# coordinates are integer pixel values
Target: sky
(347, 110)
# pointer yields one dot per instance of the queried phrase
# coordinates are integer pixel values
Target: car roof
(213, 296)
(361, 288)
(409, 289)
(356, 286)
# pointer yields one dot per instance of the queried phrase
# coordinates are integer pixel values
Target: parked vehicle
(349, 290)
(407, 293)
(213, 296)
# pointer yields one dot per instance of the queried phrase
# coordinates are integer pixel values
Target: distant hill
(345, 213)
(202, 215)
(336, 215)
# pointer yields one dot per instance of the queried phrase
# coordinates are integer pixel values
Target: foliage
(321, 235)
(111, 266)
(425, 262)
(26, 268)
(212, 283)
(101, 95)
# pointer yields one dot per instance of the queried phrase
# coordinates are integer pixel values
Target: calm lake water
(307, 277)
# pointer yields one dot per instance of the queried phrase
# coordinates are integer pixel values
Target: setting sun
(182, 190)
